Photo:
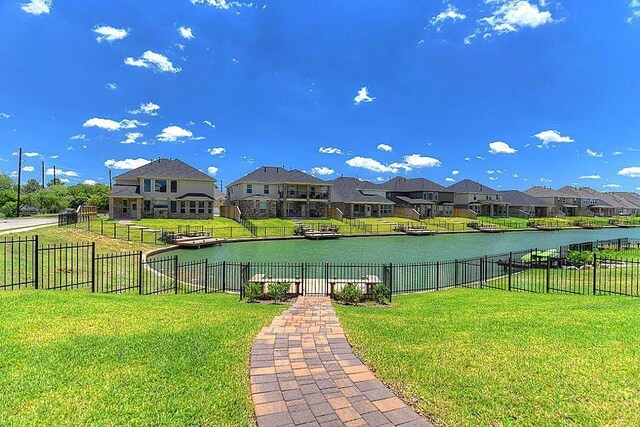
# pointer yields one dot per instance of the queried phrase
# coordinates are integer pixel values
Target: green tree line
(55, 197)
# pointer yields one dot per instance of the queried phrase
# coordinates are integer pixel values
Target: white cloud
(322, 170)
(493, 178)
(38, 7)
(78, 137)
(450, 180)
(174, 133)
(65, 181)
(110, 34)
(499, 147)
(512, 15)
(28, 169)
(592, 153)
(31, 154)
(112, 125)
(617, 153)
(89, 182)
(330, 150)
(467, 159)
(216, 151)
(479, 157)
(363, 96)
(155, 61)
(149, 108)
(111, 86)
(419, 161)
(369, 164)
(545, 180)
(611, 186)
(632, 172)
(60, 172)
(212, 170)
(384, 147)
(225, 4)
(208, 123)
(552, 137)
(634, 10)
(455, 172)
(125, 164)
(4, 116)
(132, 137)
(186, 33)
(55, 156)
(450, 13)
(590, 177)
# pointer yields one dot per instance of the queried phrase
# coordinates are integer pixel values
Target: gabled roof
(401, 184)
(272, 175)
(468, 186)
(353, 190)
(194, 196)
(617, 201)
(125, 191)
(519, 198)
(217, 194)
(539, 191)
(633, 198)
(165, 168)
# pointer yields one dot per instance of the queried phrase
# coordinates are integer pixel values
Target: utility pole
(43, 174)
(109, 179)
(19, 180)
(54, 175)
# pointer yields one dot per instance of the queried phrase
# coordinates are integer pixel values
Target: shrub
(278, 291)
(350, 294)
(580, 258)
(381, 293)
(253, 291)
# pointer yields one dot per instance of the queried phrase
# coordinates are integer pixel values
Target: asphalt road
(13, 223)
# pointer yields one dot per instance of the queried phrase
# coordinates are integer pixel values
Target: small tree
(278, 291)
(253, 291)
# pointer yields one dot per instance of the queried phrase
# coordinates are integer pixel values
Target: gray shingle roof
(194, 196)
(633, 198)
(125, 191)
(271, 175)
(416, 201)
(401, 184)
(539, 191)
(165, 168)
(353, 190)
(519, 198)
(468, 186)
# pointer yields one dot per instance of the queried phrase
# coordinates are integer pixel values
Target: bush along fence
(602, 267)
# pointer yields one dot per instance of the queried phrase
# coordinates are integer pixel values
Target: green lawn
(343, 227)
(481, 357)
(273, 227)
(69, 358)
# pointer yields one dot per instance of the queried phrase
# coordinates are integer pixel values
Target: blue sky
(511, 93)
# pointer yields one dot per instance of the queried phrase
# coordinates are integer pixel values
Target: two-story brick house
(163, 188)
(425, 197)
(483, 200)
(275, 192)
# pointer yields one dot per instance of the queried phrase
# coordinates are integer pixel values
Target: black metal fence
(609, 267)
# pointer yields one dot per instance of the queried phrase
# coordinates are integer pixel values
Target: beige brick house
(164, 188)
(274, 192)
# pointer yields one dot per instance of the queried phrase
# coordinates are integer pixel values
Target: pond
(399, 249)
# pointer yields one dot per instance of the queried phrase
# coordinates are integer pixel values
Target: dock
(546, 228)
(589, 226)
(416, 231)
(326, 232)
(197, 242)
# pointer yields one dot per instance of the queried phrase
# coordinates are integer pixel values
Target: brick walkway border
(304, 373)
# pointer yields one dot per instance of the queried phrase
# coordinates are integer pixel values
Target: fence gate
(316, 280)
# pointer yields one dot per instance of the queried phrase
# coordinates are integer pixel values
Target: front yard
(71, 358)
(481, 357)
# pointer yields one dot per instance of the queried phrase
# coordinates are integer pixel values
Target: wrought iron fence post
(93, 267)
(595, 273)
(224, 276)
(206, 275)
(481, 273)
(175, 273)
(302, 271)
(114, 230)
(390, 282)
(548, 274)
(510, 266)
(140, 272)
(36, 261)
(437, 275)
(326, 278)
(102, 227)
(455, 273)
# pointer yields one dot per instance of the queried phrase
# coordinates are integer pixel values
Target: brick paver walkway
(303, 373)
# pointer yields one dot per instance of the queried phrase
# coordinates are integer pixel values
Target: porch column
(491, 210)
(111, 202)
(351, 210)
(379, 211)
(139, 205)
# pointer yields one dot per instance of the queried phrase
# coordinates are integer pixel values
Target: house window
(174, 186)
(147, 186)
(201, 207)
(475, 197)
(266, 189)
(174, 206)
(160, 204)
(430, 196)
(192, 207)
(210, 207)
(147, 206)
(125, 206)
(292, 191)
(262, 207)
(249, 188)
(183, 207)
(161, 186)
(435, 196)
(134, 207)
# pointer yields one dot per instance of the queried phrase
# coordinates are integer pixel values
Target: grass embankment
(479, 357)
(70, 358)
